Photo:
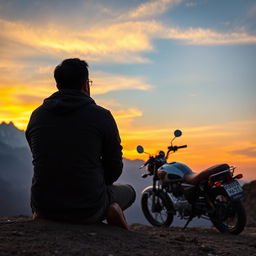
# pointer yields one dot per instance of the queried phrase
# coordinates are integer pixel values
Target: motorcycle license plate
(234, 190)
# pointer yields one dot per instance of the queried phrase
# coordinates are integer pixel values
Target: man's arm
(27, 132)
(112, 151)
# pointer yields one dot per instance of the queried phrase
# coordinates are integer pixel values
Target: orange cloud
(152, 8)
(103, 83)
(200, 36)
(119, 41)
(126, 114)
(95, 43)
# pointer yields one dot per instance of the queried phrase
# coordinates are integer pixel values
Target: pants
(123, 195)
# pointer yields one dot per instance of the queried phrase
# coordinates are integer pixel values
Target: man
(77, 154)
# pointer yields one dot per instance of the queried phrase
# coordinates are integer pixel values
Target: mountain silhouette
(15, 180)
(12, 136)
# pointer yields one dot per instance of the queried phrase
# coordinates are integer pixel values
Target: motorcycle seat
(195, 178)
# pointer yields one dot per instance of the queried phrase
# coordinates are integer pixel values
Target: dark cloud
(249, 152)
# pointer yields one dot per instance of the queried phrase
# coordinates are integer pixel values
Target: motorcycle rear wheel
(160, 212)
(229, 216)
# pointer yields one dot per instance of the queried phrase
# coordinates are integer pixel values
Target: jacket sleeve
(28, 130)
(112, 151)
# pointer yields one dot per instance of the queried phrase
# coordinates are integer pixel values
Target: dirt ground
(22, 236)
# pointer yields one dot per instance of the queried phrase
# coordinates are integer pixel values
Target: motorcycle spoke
(161, 214)
(162, 218)
(230, 222)
(156, 208)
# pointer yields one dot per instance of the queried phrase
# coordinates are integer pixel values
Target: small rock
(92, 234)
(181, 238)
(206, 248)
(17, 233)
(194, 240)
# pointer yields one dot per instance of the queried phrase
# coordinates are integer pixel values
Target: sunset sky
(157, 65)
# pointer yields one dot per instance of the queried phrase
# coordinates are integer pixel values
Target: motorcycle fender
(148, 190)
(219, 190)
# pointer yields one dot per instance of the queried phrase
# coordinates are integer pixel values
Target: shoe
(116, 217)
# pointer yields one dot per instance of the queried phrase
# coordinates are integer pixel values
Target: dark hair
(71, 74)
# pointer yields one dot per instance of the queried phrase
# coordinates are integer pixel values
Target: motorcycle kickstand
(188, 221)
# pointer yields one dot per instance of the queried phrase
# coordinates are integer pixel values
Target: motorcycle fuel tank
(175, 170)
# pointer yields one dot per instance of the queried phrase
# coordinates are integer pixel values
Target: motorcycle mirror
(140, 149)
(177, 133)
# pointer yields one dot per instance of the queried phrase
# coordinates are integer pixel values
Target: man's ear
(86, 88)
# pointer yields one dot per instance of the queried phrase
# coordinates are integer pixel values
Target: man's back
(76, 151)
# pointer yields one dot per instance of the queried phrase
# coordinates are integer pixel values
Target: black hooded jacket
(76, 153)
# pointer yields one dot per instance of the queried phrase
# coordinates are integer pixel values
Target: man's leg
(120, 198)
(123, 195)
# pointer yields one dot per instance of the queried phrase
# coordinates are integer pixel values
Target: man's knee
(133, 194)
(124, 195)
(129, 196)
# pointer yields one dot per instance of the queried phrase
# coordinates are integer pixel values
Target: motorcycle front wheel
(229, 216)
(157, 208)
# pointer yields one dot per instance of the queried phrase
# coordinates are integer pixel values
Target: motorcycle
(212, 194)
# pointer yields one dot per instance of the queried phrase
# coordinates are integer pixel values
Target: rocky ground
(24, 237)
(20, 236)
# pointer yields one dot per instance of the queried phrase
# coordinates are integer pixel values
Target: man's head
(72, 74)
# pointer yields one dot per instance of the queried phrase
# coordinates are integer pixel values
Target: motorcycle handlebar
(170, 148)
(175, 148)
(146, 163)
(183, 146)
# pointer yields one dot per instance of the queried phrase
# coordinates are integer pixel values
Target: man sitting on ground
(77, 154)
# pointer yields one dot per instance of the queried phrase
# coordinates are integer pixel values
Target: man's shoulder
(100, 109)
(93, 109)
(101, 114)
(38, 109)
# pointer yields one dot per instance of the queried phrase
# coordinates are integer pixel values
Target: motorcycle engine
(175, 189)
(181, 205)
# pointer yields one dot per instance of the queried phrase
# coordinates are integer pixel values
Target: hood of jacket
(67, 100)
